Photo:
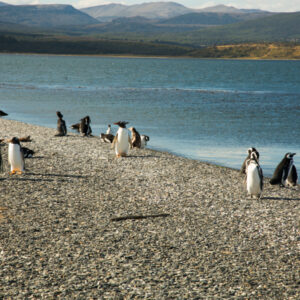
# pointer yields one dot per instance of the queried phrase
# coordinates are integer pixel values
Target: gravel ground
(195, 232)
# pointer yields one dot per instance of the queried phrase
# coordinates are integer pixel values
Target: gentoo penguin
(250, 150)
(85, 128)
(2, 113)
(283, 170)
(135, 138)
(122, 141)
(27, 152)
(15, 156)
(61, 125)
(108, 131)
(254, 176)
(144, 140)
(107, 138)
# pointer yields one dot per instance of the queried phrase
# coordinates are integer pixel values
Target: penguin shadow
(28, 179)
(141, 156)
(280, 198)
(57, 175)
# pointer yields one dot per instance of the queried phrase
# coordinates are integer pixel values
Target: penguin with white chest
(121, 142)
(15, 156)
(285, 173)
(254, 176)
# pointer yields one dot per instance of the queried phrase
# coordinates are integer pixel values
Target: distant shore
(80, 223)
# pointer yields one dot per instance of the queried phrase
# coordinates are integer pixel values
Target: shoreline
(154, 57)
(80, 223)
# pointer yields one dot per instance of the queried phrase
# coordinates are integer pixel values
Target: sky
(269, 5)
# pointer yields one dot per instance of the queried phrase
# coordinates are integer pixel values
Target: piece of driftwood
(138, 217)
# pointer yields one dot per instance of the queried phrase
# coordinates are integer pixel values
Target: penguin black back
(283, 169)
(61, 125)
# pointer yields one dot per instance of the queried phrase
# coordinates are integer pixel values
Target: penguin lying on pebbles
(25, 139)
(107, 138)
(27, 152)
(75, 126)
(135, 138)
(254, 176)
(15, 156)
(121, 142)
(250, 150)
(61, 125)
(285, 173)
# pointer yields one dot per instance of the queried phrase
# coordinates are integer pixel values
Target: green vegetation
(88, 46)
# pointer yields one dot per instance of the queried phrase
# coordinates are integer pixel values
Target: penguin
(250, 150)
(25, 139)
(283, 170)
(293, 177)
(254, 176)
(107, 138)
(122, 141)
(61, 125)
(135, 138)
(108, 131)
(27, 152)
(85, 128)
(15, 156)
(75, 127)
(144, 140)
(3, 114)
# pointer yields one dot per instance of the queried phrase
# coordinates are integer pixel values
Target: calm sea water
(210, 110)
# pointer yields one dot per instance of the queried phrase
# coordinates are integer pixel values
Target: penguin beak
(293, 154)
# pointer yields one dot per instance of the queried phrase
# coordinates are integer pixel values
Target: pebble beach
(80, 223)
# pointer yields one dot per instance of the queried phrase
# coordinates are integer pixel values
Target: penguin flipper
(261, 176)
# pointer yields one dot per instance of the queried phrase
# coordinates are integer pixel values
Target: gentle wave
(109, 88)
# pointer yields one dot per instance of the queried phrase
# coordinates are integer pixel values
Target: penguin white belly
(253, 180)
(122, 144)
(15, 157)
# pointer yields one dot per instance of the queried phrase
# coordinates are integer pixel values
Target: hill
(44, 16)
(279, 27)
(213, 18)
(153, 10)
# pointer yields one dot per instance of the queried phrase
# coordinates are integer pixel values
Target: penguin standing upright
(250, 150)
(85, 128)
(122, 141)
(135, 138)
(285, 172)
(61, 125)
(15, 156)
(254, 176)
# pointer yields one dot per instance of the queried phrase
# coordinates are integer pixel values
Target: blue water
(210, 110)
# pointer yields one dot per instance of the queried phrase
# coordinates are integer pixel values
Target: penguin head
(122, 124)
(290, 155)
(87, 119)
(58, 113)
(14, 140)
(254, 157)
